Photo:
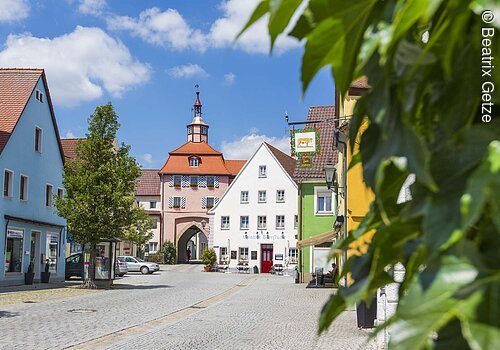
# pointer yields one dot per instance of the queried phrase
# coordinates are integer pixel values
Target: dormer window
(194, 162)
(39, 95)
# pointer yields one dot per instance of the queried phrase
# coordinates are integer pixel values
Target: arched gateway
(194, 236)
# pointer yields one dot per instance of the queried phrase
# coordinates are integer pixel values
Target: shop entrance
(267, 258)
(35, 256)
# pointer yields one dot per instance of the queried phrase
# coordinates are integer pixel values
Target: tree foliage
(169, 252)
(99, 186)
(424, 108)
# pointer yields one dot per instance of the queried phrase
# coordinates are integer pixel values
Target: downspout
(344, 170)
(301, 277)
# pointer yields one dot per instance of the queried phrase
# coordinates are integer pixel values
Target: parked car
(139, 265)
(74, 266)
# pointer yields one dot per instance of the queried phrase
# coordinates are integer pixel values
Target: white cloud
(167, 28)
(92, 7)
(229, 78)
(187, 71)
(148, 158)
(69, 135)
(79, 65)
(244, 147)
(13, 10)
(255, 39)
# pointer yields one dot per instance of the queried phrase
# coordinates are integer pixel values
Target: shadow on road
(140, 286)
(7, 314)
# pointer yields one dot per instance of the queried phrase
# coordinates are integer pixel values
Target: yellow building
(359, 196)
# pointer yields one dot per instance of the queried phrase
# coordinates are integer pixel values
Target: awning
(317, 239)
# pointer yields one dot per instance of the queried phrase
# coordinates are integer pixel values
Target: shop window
(14, 251)
(52, 250)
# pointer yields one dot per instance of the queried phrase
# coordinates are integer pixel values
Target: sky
(146, 58)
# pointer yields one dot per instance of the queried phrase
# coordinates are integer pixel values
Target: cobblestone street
(178, 308)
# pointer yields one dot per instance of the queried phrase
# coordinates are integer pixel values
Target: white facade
(262, 189)
(152, 206)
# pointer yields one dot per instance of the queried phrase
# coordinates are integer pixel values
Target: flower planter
(207, 268)
(29, 277)
(45, 277)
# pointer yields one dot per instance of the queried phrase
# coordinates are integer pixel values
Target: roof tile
(148, 183)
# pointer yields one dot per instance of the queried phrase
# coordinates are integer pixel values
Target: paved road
(180, 308)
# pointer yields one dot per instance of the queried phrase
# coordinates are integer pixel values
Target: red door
(267, 258)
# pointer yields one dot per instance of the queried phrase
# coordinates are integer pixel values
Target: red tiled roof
(69, 147)
(287, 162)
(315, 116)
(211, 161)
(148, 183)
(16, 87)
(234, 166)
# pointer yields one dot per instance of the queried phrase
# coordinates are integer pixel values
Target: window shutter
(170, 202)
(216, 181)
(171, 181)
(183, 202)
(204, 203)
(202, 181)
(186, 181)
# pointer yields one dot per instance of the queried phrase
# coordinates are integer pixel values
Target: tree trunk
(89, 279)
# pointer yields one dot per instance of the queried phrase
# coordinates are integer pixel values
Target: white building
(255, 222)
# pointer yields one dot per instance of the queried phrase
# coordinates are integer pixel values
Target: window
(296, 221)
(152, 205)
(38, 140)
(48, 195)
(190, 130)
(14, 251)
(244, 197)
(280, 196)
(153, 246)
(204, 130)
(324, 201)
(243, 254)
(244, 222)
(177, 180)
(23, 188)
(280, 221)
(60, 193)
(293, 255)
(210, 181)
(52, 250)
(194, 162)
(39, 96)
(7, 183)
(262, 222)
(156, 223)
(223, 254)
(177, 202)
(262, 171)
(224, 222)
(262, 196)
(194, 181)
(210, 202)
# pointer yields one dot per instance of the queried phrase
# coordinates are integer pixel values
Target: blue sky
(146, 56)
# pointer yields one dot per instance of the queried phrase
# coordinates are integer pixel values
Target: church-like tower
(197, 131)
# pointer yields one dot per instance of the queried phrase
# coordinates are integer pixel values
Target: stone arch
(184, 239)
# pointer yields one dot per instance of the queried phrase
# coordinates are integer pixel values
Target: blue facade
(31, 230)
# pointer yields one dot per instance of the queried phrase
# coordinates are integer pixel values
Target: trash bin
(366, 314)
(255, 269)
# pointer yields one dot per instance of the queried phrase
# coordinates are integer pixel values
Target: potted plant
(29, 276)
(208, 258)
(45, 275)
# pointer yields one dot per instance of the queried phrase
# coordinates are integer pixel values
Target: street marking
(149, 326)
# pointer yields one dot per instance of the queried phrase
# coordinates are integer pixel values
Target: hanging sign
(305, 142)
(305, 162)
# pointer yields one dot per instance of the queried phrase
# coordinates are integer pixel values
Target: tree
(99, 188)
(430, 112)
(169, 252)
(140, 231)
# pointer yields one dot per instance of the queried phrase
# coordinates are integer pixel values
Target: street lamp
(330, 172)
(203, 223)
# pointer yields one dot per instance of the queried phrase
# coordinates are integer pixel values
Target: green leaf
(281, 12)
(260, 11)
(333, 307)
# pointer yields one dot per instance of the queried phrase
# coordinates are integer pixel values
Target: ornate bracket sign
(305, 142)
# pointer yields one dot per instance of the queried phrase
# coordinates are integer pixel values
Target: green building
(317, 205)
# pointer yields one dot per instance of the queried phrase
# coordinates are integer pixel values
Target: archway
(193, 236)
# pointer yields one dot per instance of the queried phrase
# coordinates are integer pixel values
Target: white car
(139, 265)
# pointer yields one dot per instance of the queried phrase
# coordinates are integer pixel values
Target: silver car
(139, 265)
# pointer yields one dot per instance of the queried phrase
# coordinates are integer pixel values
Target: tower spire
(197, 131)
